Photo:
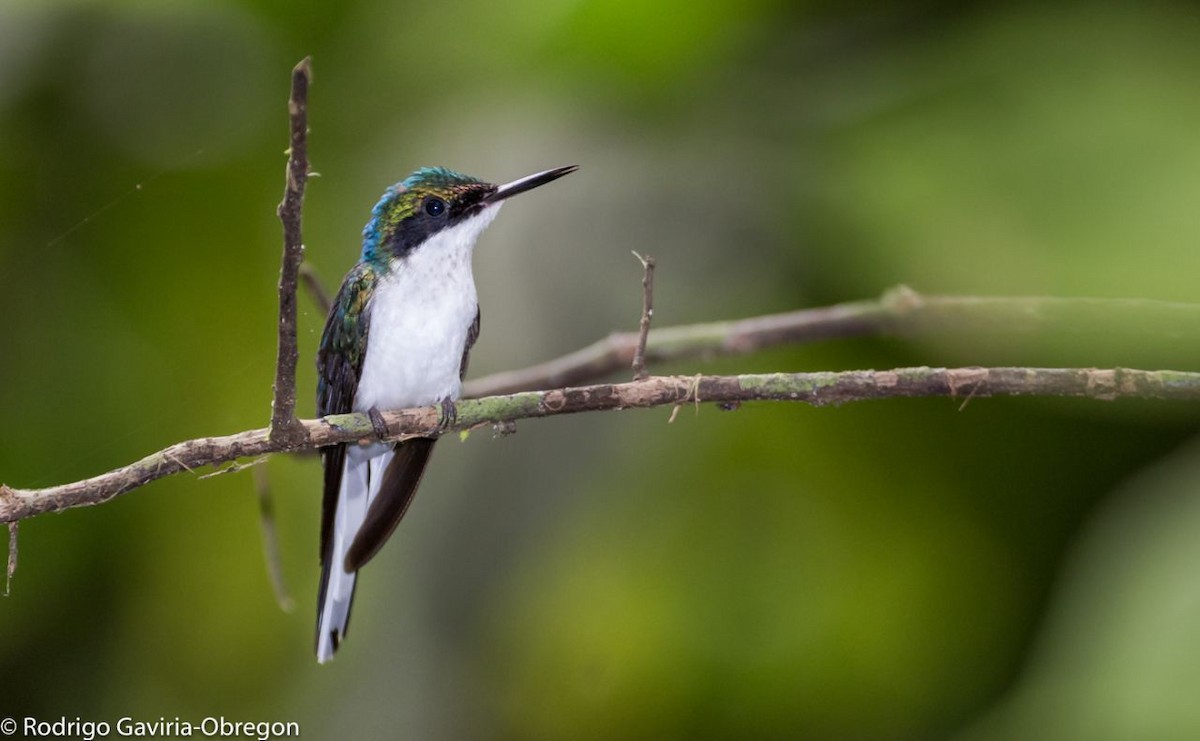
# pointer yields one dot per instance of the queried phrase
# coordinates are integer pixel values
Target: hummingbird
(398, 335)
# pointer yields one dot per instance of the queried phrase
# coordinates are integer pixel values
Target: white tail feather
(362, 476)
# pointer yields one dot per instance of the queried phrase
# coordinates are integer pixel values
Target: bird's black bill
(529, 182)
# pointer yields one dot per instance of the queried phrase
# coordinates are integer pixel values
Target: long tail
(367, 491)
(350, 485)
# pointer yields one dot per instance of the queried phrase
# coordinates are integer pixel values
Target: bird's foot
(381, 430)
(448, 416)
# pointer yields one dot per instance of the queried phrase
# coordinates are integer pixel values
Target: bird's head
(435, 198)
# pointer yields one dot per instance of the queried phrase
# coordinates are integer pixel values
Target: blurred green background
(901, 569)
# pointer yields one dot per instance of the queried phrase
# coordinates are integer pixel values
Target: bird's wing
(339, 364)
(472, 335)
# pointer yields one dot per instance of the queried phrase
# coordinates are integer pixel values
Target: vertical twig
(639, 354)
(266, 517)
(285, 428)
(12, 555)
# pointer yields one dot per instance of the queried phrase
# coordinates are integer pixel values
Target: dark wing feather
(344, 343)
(472, 335)
(339, 363)
(400, 482)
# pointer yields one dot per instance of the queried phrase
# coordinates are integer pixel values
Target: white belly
(420, 316)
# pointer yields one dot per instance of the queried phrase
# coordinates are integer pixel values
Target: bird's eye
(435, 206)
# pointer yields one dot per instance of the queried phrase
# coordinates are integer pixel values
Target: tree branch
(901, 311)
(817, 389)
(285, 428)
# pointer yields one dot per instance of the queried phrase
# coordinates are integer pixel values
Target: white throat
(420, 314)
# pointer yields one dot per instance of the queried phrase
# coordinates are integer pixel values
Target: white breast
(420, 315)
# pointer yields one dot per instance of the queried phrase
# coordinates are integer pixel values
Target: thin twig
(692, 395)
(285, 428)
(233, 467)
(316, 290)
(266, 518)
(899, 312)
(13, 527)
(817, 389)
(188, 468)
(639, 353)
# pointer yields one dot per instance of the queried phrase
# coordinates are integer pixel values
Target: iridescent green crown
(404, 199)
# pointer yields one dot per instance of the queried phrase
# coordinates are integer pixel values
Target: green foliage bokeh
(912, 568)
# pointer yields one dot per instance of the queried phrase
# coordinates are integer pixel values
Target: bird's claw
(380, 427)
(448, 416)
